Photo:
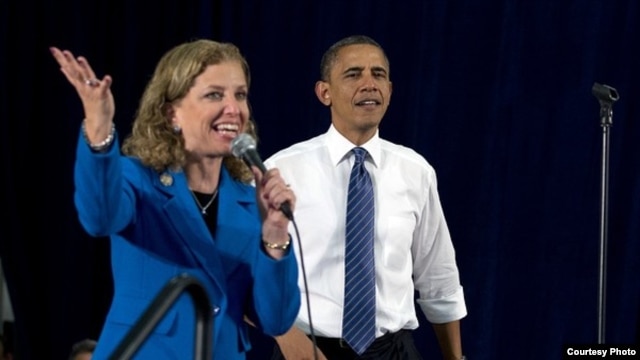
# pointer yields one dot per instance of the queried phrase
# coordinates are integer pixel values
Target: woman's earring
(177, 129)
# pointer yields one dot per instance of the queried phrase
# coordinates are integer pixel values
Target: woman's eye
(215, 95)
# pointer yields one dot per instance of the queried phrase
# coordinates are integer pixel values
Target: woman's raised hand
(95, 94)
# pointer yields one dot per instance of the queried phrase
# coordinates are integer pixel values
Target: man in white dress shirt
(412, 245)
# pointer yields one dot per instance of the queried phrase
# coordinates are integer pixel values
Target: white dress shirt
(413, 249)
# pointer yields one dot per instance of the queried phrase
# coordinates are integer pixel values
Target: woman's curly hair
(153, 139)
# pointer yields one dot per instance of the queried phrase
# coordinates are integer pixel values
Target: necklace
(203, 209)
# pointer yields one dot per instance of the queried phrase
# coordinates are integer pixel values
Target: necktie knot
(360, 155)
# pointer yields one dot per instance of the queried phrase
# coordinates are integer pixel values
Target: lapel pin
(166, 179)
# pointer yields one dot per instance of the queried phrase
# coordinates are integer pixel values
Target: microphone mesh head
(241, 143)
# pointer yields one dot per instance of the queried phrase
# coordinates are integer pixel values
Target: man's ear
(322, 92)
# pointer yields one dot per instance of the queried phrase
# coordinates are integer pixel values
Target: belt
(342, 343)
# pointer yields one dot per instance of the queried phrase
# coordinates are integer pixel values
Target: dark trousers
(392, 346)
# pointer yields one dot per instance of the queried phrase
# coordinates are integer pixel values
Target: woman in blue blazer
(175, 201)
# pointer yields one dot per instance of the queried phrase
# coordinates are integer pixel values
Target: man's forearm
(448, 335)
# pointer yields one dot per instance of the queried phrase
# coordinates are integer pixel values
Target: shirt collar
(339, 146)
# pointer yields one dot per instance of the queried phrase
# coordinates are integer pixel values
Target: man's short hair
(82, 346)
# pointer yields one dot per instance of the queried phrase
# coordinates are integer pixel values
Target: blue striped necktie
(358, 323)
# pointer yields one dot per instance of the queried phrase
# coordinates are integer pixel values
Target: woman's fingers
(276, 191)
(89, 76)
(77, 70)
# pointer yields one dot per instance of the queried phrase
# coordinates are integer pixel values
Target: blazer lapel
(239, 226)
(181, 211)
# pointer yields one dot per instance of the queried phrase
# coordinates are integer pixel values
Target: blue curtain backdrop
(495, 94)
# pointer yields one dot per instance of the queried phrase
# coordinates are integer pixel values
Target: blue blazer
(157, 232)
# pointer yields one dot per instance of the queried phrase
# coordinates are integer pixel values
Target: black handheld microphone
(243, 146)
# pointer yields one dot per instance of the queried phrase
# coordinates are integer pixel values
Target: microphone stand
(606, 96)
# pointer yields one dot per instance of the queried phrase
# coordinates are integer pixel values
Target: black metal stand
(203, 347)
(606, 96)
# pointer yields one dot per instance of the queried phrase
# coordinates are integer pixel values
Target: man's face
(358, 90)
(83, 356)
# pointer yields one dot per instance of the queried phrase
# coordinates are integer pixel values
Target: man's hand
(295, 345)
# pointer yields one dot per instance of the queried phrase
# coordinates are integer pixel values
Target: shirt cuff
(445, 309)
